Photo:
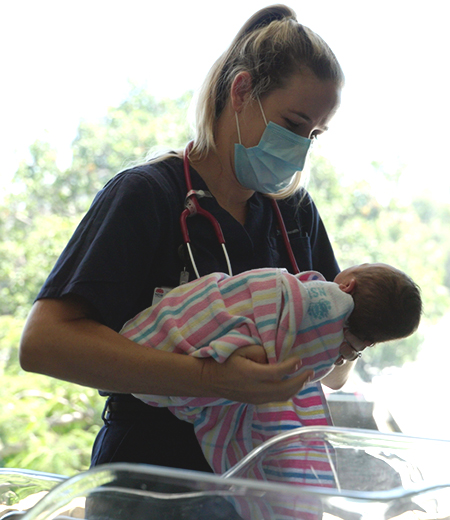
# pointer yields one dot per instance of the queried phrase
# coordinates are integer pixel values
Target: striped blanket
(216, 314)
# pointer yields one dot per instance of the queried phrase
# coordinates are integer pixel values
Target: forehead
(305, 92)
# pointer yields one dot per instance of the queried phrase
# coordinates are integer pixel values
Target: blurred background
(90, 87)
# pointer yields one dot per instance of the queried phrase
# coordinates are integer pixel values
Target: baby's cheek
(345, 351)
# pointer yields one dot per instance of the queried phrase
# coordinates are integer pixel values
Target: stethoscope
(192, 208)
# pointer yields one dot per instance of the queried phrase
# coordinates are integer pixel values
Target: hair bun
(266, 16)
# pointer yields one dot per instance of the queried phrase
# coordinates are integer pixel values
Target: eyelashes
(297, 127)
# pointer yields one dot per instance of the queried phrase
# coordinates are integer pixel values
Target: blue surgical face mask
(271, 165)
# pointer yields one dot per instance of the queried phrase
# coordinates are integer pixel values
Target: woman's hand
(60, 339)
(247, 377)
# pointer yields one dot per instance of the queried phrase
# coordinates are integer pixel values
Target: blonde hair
(271, 46)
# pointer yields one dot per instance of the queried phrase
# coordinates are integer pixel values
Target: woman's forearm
(62, 340)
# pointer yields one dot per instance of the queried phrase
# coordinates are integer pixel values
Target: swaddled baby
(323, 323)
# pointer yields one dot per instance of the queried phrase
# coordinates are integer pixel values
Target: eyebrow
(307, 118)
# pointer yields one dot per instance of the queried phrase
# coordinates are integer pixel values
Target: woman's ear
(348, 286)
(241, 89)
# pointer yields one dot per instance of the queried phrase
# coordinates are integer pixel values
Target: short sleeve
(107, 261)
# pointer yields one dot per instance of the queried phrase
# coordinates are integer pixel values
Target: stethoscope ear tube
(284, 234)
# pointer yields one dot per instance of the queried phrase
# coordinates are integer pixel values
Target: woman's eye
(292, 125)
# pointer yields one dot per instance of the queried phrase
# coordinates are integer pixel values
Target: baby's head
(387, 302)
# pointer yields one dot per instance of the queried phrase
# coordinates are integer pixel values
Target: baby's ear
(348, 286)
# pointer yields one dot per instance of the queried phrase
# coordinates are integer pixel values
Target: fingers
(294, 384)
(272, 374)
(255, 353)
(247, 377)
(280, 371)
(270, 383)
(290, 365)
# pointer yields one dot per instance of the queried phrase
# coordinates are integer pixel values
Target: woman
(278, 79)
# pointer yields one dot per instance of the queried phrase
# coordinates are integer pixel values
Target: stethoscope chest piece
(192, 208)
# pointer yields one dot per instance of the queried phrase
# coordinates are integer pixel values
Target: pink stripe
(301, 464)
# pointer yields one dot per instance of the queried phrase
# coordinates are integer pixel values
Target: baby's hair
(388, 305)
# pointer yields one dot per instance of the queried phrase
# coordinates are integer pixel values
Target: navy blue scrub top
(129, 243)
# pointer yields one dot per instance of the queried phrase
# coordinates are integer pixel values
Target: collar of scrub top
(192, 207)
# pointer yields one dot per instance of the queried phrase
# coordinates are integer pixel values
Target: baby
(387, 306)
(214, 315)
(323, 323)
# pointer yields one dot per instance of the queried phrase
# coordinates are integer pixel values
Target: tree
(125, 137)
(362, 229)
(46, 203)
(36, 221)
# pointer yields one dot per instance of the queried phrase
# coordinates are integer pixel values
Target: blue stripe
(241, 281)
(171, 311)
(299, 475)
(276, 427)
(268, 323)
(322, 367)
(308, 390)
(314, 327)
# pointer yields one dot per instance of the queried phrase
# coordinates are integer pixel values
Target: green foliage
(414, 238)
(50, 425)
(10, 330)
(392, 353)
(124, 137)
(45, 424)
(46, 203)
(29, 252)
(33, 184)
(410, 237)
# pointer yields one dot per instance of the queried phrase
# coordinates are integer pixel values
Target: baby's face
(351, 348)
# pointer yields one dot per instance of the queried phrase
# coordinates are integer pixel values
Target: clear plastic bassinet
(370, 476)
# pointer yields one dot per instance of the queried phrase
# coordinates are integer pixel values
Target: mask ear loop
(262, 111)
(238, 129)
(237, 119)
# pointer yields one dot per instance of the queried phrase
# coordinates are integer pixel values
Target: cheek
(251, 135)
(251, 125)
(346, 352)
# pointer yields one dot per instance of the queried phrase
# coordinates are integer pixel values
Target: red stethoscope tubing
(284, 234)
(192, 207)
